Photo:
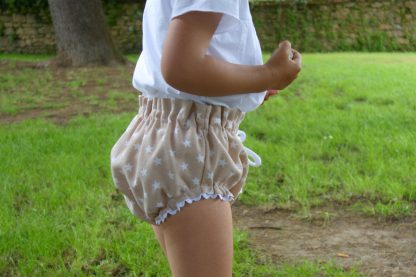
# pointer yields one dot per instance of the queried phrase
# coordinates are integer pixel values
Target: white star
(156, 185)
(159, 205)
(127, 167)
(158, 161)
(176, 130)
(135, 135)
(149, 149)
(230, 125)
(222, 163)
(234, 144)
(225, 114)
(145, 195)
(184, 166)
(143, 172)
(113, 159)
(210, 175)
(187, 143)
(172, 152)
(195, 181)
(171, 175)
(200, 158)
(217, 120)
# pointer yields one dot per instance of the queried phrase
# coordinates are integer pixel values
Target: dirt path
(78, 89)
(376, 247)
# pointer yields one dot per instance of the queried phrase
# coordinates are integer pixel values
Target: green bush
(23, 6)
(2, 29)
(40, 6)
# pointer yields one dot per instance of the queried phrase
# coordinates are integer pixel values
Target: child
(181, 164)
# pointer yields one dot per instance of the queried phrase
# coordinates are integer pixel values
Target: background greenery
(343, 133)
(311, 26)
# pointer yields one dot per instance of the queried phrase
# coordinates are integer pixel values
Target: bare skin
(186, 66)
(198, 240)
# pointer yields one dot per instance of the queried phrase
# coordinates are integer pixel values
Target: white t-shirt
(235, 41)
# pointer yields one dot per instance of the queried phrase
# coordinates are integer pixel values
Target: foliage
(2, 29)
(343, 132)
(23, 6)
(323, 28)
(35, 6)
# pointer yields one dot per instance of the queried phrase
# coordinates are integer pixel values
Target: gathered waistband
(186, 112)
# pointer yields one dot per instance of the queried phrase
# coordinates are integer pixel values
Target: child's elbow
(168, 73)
(175, 74)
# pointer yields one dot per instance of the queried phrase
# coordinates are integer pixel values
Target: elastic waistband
(186, 111)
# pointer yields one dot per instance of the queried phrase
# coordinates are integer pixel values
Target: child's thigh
(199, 239)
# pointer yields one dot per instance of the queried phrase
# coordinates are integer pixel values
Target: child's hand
(269, 93)
(284, 65)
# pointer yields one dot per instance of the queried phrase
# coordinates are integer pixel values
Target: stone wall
(312, 26)
(34, 34)
(338, 25)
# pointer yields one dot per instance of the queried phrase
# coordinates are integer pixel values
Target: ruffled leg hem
(179, 205)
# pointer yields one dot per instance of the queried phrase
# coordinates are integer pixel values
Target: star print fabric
(178, 151)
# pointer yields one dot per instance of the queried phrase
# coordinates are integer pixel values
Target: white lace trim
(162, 216)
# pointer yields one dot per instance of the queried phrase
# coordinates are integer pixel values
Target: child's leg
(159, 232)
(199, 240)
(159, 235)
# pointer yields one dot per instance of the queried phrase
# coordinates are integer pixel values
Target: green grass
(36, 58)
(61, 214)
(25, 88)
(25, 57)
(344, 132)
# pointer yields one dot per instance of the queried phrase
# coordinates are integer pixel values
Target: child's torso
(235, 41)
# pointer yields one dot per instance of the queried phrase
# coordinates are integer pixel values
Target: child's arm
(186, 66)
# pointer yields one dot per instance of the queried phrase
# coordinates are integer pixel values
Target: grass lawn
(343, 133)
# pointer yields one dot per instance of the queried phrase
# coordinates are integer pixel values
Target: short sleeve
(230, 8)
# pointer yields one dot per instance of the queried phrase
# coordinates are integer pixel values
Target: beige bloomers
(178, 151)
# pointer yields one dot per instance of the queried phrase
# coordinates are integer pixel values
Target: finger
(297, 57)
(272, 92)
(285, 48)
(285, 42)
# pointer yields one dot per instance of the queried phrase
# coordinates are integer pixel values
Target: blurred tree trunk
(81, 34)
